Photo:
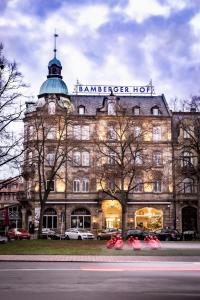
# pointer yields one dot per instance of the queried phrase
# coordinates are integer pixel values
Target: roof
(93, 102)
(53, 85)
(54, 61)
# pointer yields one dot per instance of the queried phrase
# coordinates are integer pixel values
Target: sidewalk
(95, 258)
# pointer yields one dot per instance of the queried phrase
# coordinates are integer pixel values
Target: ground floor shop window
(81, 218)
(50, 218)
(149, 218)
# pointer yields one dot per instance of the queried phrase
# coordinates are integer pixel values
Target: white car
(78, 234)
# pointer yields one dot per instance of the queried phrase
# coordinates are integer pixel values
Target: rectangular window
(85, 159)
(85, 185)
(138, 158)
(136, 111)
(111, 133)
(157, 158)
(50, 159)
(156, 133)
(77, 158)
(77, 132)
(51, 184)
(138, 185)
(111, 107)
(51, 133)
(85, 132)
(76, 185)
(157, 186)
(137, 132)
(112, 158)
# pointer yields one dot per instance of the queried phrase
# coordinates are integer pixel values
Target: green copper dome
(53, 85)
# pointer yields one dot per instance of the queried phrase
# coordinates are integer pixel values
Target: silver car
(78, 234)
(3, 239)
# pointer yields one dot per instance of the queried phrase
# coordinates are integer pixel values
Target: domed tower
(54, 83)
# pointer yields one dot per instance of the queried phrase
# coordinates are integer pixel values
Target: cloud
(106, 42)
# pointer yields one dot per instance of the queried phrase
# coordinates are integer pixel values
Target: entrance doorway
(149, 218)
(111, 214)
(189, 218)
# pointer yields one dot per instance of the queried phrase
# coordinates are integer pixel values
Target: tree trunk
(123, 220)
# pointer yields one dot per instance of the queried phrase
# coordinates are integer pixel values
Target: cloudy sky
(120, 42)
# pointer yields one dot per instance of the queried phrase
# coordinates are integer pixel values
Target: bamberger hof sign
(106, 89)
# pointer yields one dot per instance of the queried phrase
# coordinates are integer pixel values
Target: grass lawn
(65, 247)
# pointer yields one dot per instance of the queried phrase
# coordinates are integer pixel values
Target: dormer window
(136, 110)
(155, 111)
(81, 110)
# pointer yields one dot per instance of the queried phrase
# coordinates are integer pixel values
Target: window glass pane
(85, 185)
(111, 108)
(156, 133)
(74, 223)
(77, 132)
(87, 222)
(51, 133)
(77, 158)
(85, 132)
(85, 159)
(81, 110)
(51, 108)
(76, 185)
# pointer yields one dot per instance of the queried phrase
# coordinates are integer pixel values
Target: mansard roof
(94, 102)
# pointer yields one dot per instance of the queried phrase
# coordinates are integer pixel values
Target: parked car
(168, 235)
(48, 233)
(18, 234)
(108, 233)
(78, 234)
(3, 239)
(140, 234)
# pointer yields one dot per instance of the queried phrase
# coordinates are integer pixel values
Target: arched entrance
(50, 218)
(149, 218)
(111, 213)
(189, 218)
(81, 218)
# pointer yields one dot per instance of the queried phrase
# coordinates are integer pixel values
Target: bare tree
(49, 144)
(11, 86)
(123, 163)
(187, 150)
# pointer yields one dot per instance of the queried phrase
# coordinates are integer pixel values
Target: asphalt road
(94, 281)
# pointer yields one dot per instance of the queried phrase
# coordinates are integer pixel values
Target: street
(137, 280)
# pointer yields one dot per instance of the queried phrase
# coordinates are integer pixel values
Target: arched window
(50, 218)
(111, 107)
(81, 218)
(81, 110)
(139, 187)
(51, 108)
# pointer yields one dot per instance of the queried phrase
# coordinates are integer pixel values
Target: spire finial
(55, 36)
